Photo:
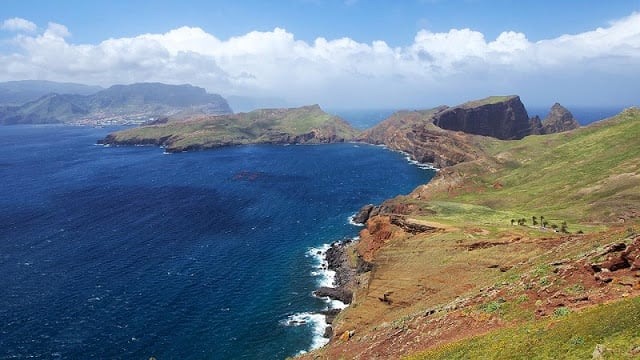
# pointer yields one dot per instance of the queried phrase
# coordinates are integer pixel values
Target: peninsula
(515, 249)
(304, 125)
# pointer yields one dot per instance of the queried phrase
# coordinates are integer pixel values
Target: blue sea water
(584, 115)
(124, 252)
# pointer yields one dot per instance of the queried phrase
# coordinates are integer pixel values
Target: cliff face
(413, 132)
(502, 117)
(446, 136)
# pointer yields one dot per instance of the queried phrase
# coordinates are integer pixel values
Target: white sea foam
(321, 271)
(317, 322)
(324, 277)
(425, 166)
(350, 219)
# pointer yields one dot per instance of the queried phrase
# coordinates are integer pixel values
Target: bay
(124, 252)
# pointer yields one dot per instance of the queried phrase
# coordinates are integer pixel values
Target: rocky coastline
(337, 259)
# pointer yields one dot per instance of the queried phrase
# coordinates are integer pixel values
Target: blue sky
(396, 22)
(435, 51)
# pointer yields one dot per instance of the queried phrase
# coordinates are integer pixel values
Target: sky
(338, 53)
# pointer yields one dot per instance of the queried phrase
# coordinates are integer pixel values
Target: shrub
(561, 311)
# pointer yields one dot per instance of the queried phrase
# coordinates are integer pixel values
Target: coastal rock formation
(414, 133)
(559, 119)
(445, 136)
(535, 124)
(304, 125)
(363, 214)
(502, 117)
(340, 293)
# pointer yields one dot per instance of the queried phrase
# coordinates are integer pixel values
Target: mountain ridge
(140, 101)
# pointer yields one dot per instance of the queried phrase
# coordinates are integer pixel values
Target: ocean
(125, 252)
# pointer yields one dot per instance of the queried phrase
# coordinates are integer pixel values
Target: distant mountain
(20, 92)
(179, 96)
(52, 108)
(117, 104)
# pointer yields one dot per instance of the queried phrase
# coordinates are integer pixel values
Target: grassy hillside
(613, 328)
(480, 286)
(590, 175)
(298, 125)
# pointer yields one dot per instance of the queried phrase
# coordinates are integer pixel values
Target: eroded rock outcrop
(445, 136)
(414, 133)
(559, 119)
(502, 117)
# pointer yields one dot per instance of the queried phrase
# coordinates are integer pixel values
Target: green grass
(570, 335)
(487, 101)
(573, 177)
(259, 126)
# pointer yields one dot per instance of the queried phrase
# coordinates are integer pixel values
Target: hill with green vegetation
(302, 125)
(117, 104)
(528, 249)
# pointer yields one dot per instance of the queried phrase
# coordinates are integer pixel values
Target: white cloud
(18, 24)
(435, 68)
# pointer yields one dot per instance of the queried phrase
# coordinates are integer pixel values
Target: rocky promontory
(445, 136)
(501, 117)
(304, 125)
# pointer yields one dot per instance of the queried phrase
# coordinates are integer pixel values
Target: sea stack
(559, 119)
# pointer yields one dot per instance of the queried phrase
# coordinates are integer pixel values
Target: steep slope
(450, 262)
(302, 125)
(413, 132)
(179, 96)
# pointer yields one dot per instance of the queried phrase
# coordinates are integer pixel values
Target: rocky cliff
(502, 117)
(559, 119)
(445, 136)
(413, 132)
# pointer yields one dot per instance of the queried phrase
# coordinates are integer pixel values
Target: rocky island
(304, 125)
